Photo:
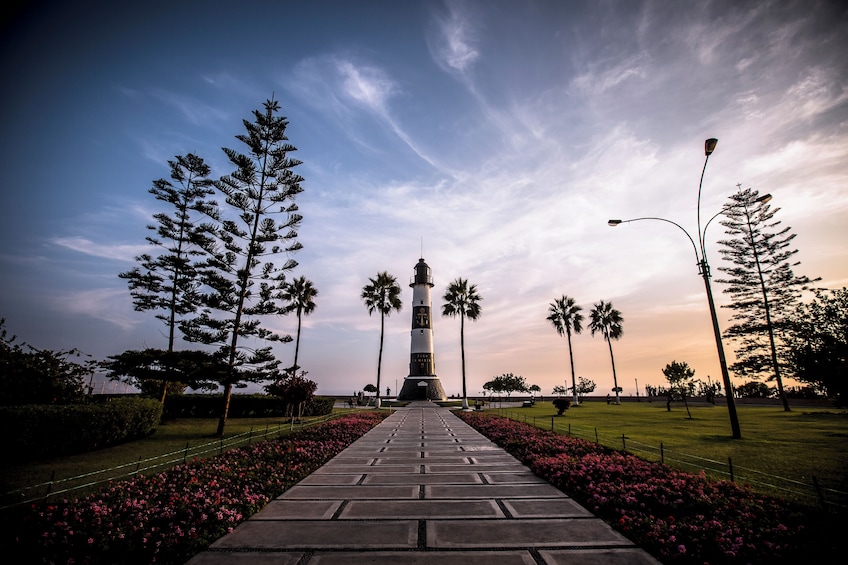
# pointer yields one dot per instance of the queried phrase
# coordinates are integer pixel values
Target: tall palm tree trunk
(380, 360)
(614, 378)
(462, 349)
(574, 400)
(297, 341)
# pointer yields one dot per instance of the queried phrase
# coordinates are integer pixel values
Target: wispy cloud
(194, 110)
(816, 93)
(453, 47)
(369, 86)
(606, 75)
(121, 252)
(107, 304)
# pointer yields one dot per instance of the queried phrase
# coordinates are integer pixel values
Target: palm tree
(565, 316)
(299, 294)
(383, 296)
(461, 299)
(607, 320)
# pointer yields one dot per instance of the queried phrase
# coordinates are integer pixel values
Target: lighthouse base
(422, 388)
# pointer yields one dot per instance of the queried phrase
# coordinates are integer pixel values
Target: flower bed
(170, 516)
(678, 517)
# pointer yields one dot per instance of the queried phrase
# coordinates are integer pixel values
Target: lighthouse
(422, 382)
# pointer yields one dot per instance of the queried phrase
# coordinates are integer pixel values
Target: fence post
(662, 454)
(50, 485)
(623, 444)
(569, 429)
(730, 466)
(185, 453)
(819, 491)
(596, 436)
(552, 423)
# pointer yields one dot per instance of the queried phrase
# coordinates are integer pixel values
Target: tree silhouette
(242, 282)
(167, 282)
(461, 299)
(762, 285)
(381, 295)
(299, 294)
(564, 314)
(607, 321)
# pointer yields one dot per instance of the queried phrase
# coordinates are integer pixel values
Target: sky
(492, 138)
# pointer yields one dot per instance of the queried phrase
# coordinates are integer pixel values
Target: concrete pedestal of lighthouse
(422, 382)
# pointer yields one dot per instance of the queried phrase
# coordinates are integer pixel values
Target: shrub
(242, 406)
(35, 431)
(562, 404)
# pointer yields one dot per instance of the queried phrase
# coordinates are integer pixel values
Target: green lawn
(172, 441)
(775, 445)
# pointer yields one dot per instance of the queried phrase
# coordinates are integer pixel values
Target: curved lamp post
(704, 271)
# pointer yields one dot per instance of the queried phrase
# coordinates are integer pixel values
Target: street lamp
(704, 271)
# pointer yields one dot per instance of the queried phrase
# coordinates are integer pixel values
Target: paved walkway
(423, 487)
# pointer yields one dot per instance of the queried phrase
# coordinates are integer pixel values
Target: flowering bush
(170, 516)
(678, 517)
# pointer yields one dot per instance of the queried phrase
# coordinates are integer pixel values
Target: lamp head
(614, 223)
(709, 146)
(763, 199)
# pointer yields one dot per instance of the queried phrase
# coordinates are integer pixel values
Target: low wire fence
(809, 492)
(55, 487)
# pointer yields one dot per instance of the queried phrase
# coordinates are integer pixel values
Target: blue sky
(502, 134)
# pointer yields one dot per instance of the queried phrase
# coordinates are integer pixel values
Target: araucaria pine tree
(167, 281)
(242, 281)
(763, 287)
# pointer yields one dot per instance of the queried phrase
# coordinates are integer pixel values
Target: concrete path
(423, 487)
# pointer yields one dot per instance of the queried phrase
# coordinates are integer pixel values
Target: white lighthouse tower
(422, 382)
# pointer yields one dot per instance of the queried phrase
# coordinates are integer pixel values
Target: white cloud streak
(120, 252)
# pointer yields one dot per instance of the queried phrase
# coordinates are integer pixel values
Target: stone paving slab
(544, 508)
(448, 534)
(623, 556)
(426, 558)
(423, 487)
(321, 534)
(299, 510)
(458, 459)
(388, 492)
(466, 492)
(423, 479)
(432, 509)
(252, 558)
(513, 478)
(332, 480)
(506, 467)
(370, 469)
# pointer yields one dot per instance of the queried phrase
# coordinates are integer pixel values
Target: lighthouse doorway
(421, 392)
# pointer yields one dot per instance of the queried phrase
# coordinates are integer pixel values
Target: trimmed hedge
(241, 406)
(36, 430)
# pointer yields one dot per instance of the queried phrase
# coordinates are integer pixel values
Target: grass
(173, 437)
(807, 446)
